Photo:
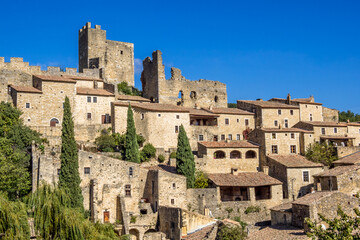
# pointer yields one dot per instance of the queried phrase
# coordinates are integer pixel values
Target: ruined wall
(330, 115)
(114, 59)
(201, 93)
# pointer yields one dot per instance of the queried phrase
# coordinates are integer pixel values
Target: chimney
(312, 98)
(288, 99)
(265, 170)
(234, 171)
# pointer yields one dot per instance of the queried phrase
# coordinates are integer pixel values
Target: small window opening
(86, 170)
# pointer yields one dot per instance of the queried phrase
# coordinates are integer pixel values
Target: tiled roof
(93, 91)
(269, 104)
(163, 167)
(297, 100)
(353, 158)
(278, 232)
(324, 124)
(353, 124)
(243, 179)
(200, 234)
(26, 89)
(154, 107)
(337, 171)
(55, 78)
(232, 111)
(310, 198)
(284, 130)
(201, 112)
(285, 207)
(232, 144)
(132, 98)
(294, 161)
(83, 78)
(335, 137)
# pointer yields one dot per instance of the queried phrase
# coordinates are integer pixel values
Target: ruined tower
(114, 59)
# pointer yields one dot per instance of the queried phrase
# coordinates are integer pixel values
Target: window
(222, 137)
(226, 121)
(29, 119)
(237, 120)
(54, 122)
(215, 138)
(292, 135)
(275, 123)
(311, 117)
(273, 135)
(88, 116)
(235, 154)
(142, 116)
(105, 119)
(131, 171)
(246, 122)
(238, 137)
(177, 116)
(86, 170)
(306, 176)
(323, 131)
(27, 105)
(274, 149)
(279, 111)
(128, 190)
(291, 112)
(121, 52)
(172, 201)
(201, 137)
(174, 185)
(286, 123)
(292, 148)
(176, 129)
(58, 171)
(95, 99)
(250, 154)
(152, 187)
(88, 99)
(230, 136)
(335, 130)
(219, 154)
(159, 115)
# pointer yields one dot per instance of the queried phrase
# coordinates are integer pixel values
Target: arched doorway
(250, 154)
(235, 154)
(54, 122)
(134, 234)
(219, 154)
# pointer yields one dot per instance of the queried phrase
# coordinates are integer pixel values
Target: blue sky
(260, 49)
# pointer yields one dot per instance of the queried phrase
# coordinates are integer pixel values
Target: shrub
(238, 219)
(147, 152)
(105, 143)
(133, 219)
(124, 88)
(201, 180)
(173, 155)
(252, 209)
(161, 158)
(230, 233)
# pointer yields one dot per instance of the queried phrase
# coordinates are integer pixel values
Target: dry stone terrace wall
(201, 93)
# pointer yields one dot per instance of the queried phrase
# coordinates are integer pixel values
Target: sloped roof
(278, 232)
(55, 78)
(353, 158)
(285, 130)
(25, 89)
(324, 124)
(162, 167)
(154, 107)
(133, 98)
(243, 179)
(231, 111)
(337, 171)
(93, 91)
(294, 161)
(269, 104)
(201, 112)
(232, 144)
(310, 198)
(83, 78)
(201, 233)
(285, 207)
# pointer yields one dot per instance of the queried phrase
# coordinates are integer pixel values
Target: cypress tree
(185, 163)
(69, 179)
(131, 145)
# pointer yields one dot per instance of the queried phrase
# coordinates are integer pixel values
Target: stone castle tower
(114, 59)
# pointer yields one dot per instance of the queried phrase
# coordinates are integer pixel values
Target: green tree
(105, 142)
(341, 227)
(147, 152)
(185, 163)
(232, 105)
(321, 153)
(348, 115)
(131, 144)
(69, 178)
(231, 232)
(201, 180)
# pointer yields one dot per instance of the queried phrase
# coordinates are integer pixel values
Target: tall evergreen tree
(131, 145)
(69, 178)
(185, 163)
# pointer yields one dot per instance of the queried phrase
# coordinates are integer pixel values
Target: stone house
(271, 114)
(343, 178)
(282, 214)
(353, 129)
(295, 172)
(350, 159)
(242, 156)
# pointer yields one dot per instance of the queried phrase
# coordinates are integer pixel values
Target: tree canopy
(348, 115)
(321, 153)
(131, 145)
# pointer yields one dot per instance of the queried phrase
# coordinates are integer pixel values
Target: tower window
(95, 99)
(86, 170)
(88, 99)
(27, 105)
(89, 116)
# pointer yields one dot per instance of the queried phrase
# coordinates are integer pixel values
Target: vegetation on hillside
(201, 180)
(227, 232)
(232, 105)
(124, 88)
(321, 153)
(348, 115)
(131, 145)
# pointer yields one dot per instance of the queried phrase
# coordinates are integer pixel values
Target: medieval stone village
(253, 154)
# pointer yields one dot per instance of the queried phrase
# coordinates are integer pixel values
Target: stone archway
(134, 234)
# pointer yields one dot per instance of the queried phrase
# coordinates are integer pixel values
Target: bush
(133, 219)
(252, 209)
(124, 88)
(147, 152)
(230, 233)
(201, 180)
(105, 143)
(173, 155)
(161, 158)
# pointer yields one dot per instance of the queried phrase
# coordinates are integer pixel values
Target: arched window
(181, 95)
(235, 154)
(193, 95)
(250, 154)
(219, 154)
(53, 122)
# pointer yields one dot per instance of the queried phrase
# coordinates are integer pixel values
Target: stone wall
(311, 112)
(201, 93)
(330, 115)
(344, 151)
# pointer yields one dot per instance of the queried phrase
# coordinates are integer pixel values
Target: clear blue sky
(260, 49)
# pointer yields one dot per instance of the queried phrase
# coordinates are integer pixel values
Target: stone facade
(178, 90)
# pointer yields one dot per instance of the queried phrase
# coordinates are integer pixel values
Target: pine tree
(185, 163)
(69, 178)
(131, 145)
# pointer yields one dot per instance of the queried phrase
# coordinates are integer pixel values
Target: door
(106, 216)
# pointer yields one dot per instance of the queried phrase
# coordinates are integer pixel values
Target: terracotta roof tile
(297, 100)
(163, 167)
(278, 232)
(294, 161)
(232, 144)
(132, 98)
(337, 171)
(154, 107)
(323, 124)
(310, 198)
(26, 89)
(83, 78)
(201, 112)
(232, 111)
(243, 179)
(269, 104)
(285, 130)
(353, 158)
(55, 78)
(200, 233)
(335, 137)
(285, 207)
(93, 91)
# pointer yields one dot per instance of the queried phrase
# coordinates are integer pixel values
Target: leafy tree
(321, 153)
(341, 227)
(69, 178)
(226, 232)
(201, 180)
(185, 163)
(161, 158)
(349, 115)
(131, 144)
(232, 105)
(124, 88)
(105, 142)
(147, 152)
